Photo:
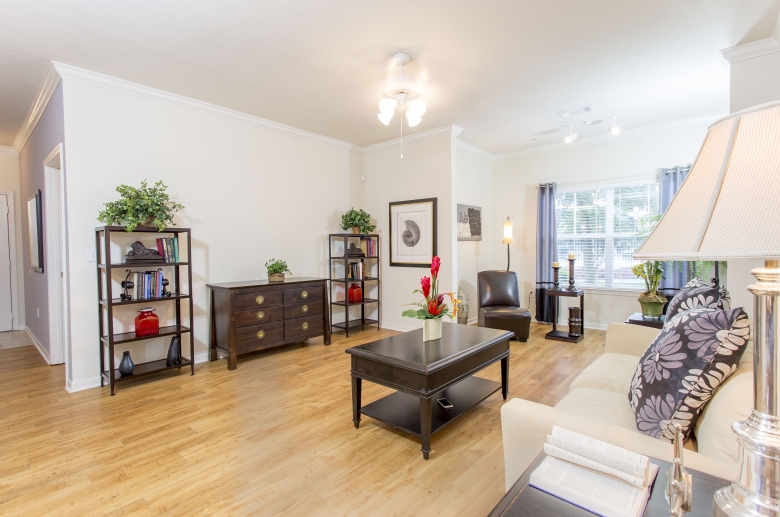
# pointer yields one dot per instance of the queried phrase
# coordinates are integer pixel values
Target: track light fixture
(571, 137)
(614, 129)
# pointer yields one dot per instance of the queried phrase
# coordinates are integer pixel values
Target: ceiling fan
(613, 129)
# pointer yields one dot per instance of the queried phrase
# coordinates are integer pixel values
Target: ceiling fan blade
(593, 122)
(549, 131)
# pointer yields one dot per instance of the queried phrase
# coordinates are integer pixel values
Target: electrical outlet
(91, 255)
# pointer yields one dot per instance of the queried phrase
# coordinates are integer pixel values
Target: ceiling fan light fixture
(571, 137)
(417, 107)
(413, 118)
(387, 105)
(614, 129)
(385, 117)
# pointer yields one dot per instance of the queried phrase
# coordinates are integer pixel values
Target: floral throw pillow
(696, 351)
(697, 294)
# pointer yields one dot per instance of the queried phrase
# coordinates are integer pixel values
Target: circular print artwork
(411, 235)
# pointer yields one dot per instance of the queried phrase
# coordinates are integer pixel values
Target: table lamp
(729, 208)
(507, 238)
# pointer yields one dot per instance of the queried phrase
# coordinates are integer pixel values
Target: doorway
(55, 257)
(6, 274)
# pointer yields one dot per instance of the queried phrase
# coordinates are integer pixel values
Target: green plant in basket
(274, 266)
(144, 206)
(357, 219)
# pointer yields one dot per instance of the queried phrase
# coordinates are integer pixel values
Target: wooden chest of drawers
(249, 316)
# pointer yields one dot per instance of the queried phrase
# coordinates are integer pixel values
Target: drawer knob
(305, 325)
(260, 315)
(260, 334)
(260, 299)
(305, 308)
(305, 294)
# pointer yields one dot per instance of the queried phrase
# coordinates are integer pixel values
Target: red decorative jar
(355, 293)
(147, 323)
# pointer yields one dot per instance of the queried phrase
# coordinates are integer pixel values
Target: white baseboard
(473, 320)
(400, 328)
(202, 357)
(83, 384)
(38, 345)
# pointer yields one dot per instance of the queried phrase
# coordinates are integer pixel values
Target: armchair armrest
(624, 338)
(525, 426)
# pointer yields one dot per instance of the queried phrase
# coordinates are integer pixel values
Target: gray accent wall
(48, 133)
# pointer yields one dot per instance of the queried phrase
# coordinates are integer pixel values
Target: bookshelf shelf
(371, 264)
(180, 282)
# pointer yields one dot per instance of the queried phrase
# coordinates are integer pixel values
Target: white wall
(250, 194)
(515, 194)
(10, 181)
(427, 170)
(475, 187)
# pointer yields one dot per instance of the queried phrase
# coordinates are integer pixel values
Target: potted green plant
(276, 270)
(652, 301)
(358, 220)
(145, 206)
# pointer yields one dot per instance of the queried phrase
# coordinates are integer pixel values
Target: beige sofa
(597, 406)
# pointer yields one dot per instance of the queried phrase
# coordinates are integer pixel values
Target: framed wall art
(469, 223)
(413, 232)
(35, 224)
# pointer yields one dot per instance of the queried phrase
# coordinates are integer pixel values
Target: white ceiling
(499, 69)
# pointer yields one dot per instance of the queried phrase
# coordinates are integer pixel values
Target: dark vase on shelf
(174, 352)
(126, 366)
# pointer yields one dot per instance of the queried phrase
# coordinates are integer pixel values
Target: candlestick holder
(571, 276)
(555, 277)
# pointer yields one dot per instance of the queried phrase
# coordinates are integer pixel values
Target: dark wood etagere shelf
(106, 302)
(372, 267)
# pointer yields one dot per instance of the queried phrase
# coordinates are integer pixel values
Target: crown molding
(750, 50)
(42, 99)
(600, 139)
(4, 149)
(145, 92)
(476, 151)
(450, 129)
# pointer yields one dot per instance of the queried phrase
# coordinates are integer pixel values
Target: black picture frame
(35, 228)
(432, 206)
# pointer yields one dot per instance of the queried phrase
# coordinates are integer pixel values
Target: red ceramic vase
(147, 323)
(355, 293)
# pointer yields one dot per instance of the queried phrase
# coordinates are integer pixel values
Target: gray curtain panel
(546, 250)
(676, 274)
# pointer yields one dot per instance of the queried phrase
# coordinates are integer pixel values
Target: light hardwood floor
(274, 437)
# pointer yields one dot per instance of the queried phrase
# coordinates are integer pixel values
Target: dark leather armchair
(499, 303)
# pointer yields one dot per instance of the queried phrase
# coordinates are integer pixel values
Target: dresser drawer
(303, 309)
(260, 315)
(257, 299)
(299, 327)
(259, 335)
(303, 294)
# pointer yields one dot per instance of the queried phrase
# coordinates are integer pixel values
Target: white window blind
(600, 227)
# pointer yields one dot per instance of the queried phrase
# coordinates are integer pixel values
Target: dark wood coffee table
(523, 500)
(422, 373)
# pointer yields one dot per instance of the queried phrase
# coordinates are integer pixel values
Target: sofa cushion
(731, 403)
(697, 294)
(696, 351)
(610, 372)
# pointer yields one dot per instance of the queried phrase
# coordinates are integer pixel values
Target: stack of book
(148, 284)
(600, 477)
(368, 245)
(169, 249)
(357, 271)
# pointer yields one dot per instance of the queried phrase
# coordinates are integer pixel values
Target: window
(600, 227)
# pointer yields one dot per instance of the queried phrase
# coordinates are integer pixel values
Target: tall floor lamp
(507, 239)
(729, 208)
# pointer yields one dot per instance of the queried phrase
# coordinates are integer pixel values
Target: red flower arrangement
(433, 307)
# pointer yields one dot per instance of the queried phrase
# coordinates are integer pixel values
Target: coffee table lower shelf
(402, 410)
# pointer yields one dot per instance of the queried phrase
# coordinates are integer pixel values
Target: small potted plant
(145, 206)
(652, 300)
(358, 220)
(433, 309)
(276, 270)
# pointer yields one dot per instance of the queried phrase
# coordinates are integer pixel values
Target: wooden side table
(560, 335)
(523, 500)
(646, 321)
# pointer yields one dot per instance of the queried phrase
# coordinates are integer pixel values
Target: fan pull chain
(401, 118)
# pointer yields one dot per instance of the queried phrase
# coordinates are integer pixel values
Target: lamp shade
(729, 205)
(508, 233)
